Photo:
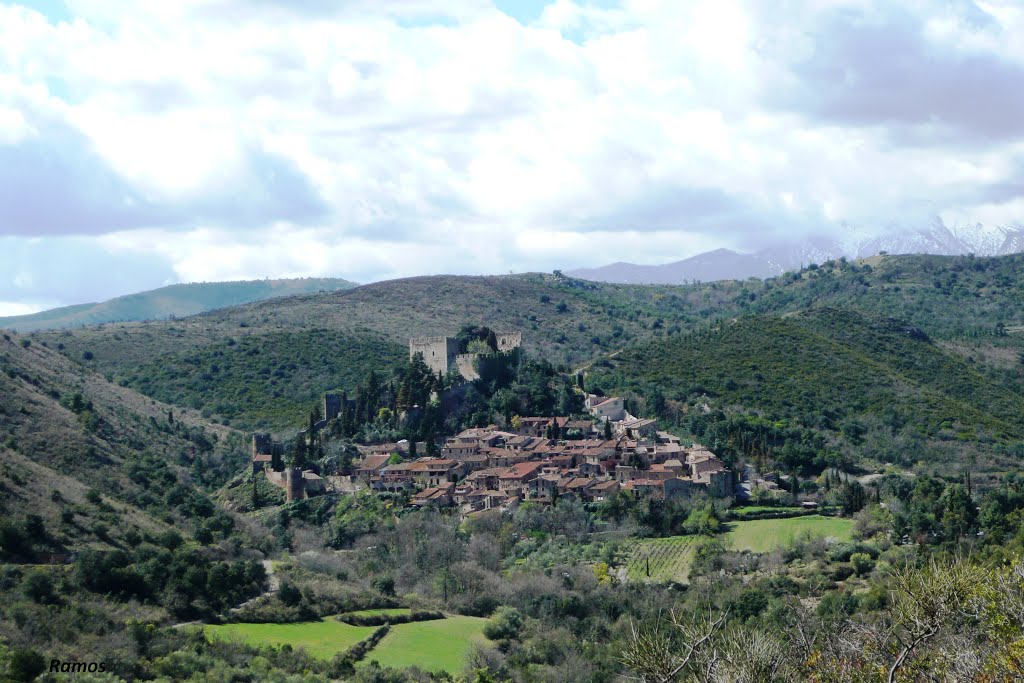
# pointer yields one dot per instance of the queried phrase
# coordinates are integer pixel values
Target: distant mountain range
(172, 301)
(726, 264)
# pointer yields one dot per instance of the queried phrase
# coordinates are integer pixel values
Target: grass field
(322, 639)
(668, 558)
(431, 645)
(765, 535)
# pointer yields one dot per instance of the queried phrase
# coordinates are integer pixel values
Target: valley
(771, 451)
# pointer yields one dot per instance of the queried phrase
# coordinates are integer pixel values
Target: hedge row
(363, 647)
(378, 619)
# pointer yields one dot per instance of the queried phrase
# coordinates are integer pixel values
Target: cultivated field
(765, 535)
(669, 559)
(440, 645)
(387, 611)
(324, 638)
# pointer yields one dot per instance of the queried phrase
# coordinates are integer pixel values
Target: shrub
(862, 563)
(26, 665)
(38, 587)
(385, 585)
(506, 624)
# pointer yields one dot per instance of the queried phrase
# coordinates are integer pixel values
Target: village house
(518, 475)
(606, 407)
(488, 468)
(371, 466)
(436, 496)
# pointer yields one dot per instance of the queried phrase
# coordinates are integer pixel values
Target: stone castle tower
(441, 354)
(438, 352)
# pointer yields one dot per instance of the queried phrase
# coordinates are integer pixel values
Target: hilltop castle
(441, 354)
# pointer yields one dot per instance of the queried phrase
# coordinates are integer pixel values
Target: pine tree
(607, 429)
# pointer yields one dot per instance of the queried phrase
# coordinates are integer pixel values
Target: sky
(150, 142)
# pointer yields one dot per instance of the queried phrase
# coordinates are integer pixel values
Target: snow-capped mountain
(726, 264)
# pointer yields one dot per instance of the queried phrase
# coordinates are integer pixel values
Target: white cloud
(387, 138)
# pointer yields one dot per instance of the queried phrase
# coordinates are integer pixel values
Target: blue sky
(150, 142)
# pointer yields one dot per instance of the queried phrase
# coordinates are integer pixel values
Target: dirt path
(582, 368)
(273, 583)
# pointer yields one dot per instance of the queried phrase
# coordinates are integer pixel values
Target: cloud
(871, 68)
(368, 139)
(74, 269)
(56, 184)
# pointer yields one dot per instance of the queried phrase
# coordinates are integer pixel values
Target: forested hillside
(311, 343)
(66, 431)
(825, 379)
(174, 301)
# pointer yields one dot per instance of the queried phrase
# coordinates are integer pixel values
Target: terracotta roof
(373, 462)
(522, 469)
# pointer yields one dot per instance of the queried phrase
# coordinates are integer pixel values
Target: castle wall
(466, 364)
(509, 340)
(438, 352)
(295, 485)
(332, 406)
(262, 444)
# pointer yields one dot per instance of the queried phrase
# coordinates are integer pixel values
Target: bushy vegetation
(263, 381)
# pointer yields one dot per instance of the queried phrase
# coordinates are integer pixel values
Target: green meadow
(669, 559)
(431, 645)
(765, 535)
(324, 638)
(438, 645)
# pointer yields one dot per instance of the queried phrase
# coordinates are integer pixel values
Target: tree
(38, 587)
(607, 429)
(926, 600)
(959, 515)
(26, 665)
(385, 585)
(657, 656)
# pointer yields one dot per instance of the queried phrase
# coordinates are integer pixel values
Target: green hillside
(973, 306)
(96, 461)
(174, 301)
(824, 378)
(266, 380)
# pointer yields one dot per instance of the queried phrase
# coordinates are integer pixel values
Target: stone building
(441, 354)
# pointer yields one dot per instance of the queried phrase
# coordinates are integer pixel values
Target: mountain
(174, 301)
(725, 264)
(720, 264)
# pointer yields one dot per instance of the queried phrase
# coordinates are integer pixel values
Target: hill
(174, 301)
(719, 264)
(825, 379)
(971, 304)
(259, 365)
(98, 462)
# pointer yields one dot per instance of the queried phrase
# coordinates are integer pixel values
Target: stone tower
(438, 352)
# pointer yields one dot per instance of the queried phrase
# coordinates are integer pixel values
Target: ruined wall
(466, 364)
(438, 352)
(509, 340)
(332, 406)
(441, 354)
(295, 485)
(262, 444)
